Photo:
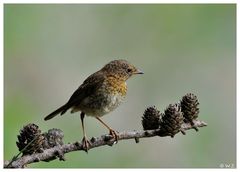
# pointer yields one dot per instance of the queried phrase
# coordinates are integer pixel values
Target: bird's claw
(85, 144)
(114, 134)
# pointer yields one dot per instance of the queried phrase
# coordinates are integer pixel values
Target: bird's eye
(129, 70)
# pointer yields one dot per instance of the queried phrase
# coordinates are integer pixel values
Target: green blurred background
(50, 49)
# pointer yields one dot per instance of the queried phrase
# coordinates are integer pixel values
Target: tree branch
(59, 151)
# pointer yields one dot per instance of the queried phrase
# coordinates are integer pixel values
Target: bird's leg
(85, 141)
(111, 131)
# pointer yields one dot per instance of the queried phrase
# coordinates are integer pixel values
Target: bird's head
(121, 68)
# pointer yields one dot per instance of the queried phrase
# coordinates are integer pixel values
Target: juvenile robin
(99, 94)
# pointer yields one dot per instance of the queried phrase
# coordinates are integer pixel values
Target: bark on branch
(59, 151)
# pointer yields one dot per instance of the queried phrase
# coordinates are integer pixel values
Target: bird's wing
(88, 87)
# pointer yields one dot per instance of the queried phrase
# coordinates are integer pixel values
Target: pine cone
(171, 121)
(189, 106)
(53, 138)
(150, 119)
(29, 133)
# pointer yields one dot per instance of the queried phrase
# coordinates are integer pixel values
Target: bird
(100, 94)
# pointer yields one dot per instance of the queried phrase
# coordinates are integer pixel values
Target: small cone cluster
(31, 140)
(54, 137)
(171, 121)
(189, 105)
(174, 116)
(150, 119)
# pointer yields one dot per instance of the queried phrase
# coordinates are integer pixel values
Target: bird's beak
(138, 71)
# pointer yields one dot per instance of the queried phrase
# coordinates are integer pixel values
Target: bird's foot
(114, 134)
(85, 144)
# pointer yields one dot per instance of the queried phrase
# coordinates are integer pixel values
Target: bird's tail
(61, 110)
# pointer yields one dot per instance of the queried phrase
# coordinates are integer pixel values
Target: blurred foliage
(50, 49)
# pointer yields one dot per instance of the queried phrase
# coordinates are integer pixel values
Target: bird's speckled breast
(116, 86)
(109, 96)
